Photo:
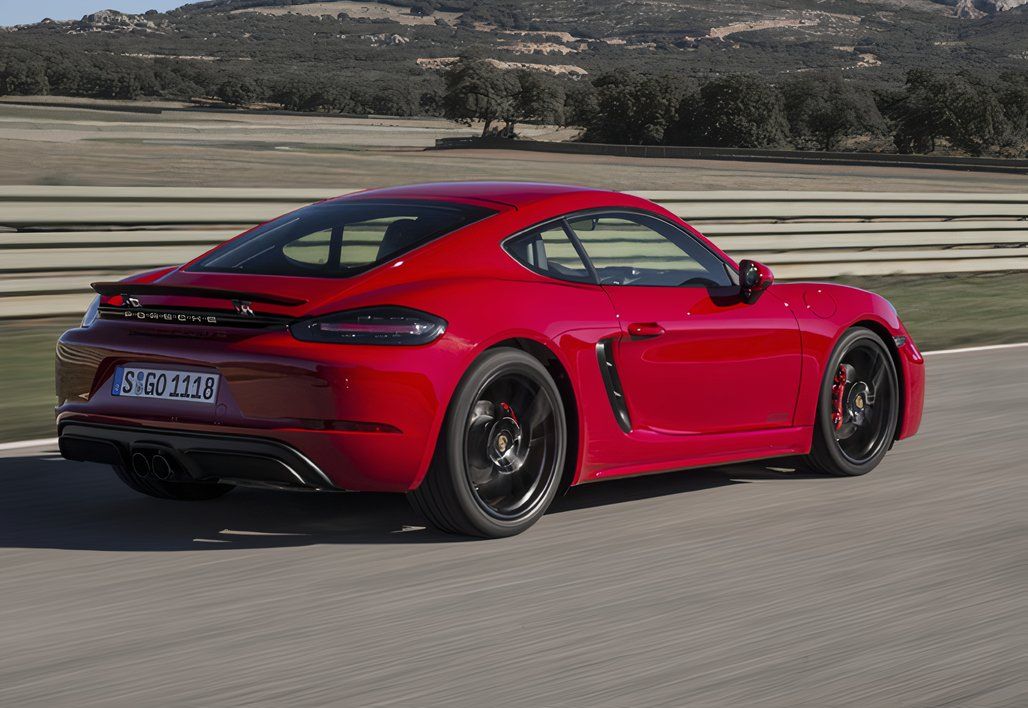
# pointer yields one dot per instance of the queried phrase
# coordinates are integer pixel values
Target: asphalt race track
(728, 587)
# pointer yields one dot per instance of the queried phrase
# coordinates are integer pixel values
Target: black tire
(843, 446)
(498, 463)
(181, 491)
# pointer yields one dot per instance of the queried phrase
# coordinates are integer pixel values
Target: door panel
(718, 366)
(693, 359)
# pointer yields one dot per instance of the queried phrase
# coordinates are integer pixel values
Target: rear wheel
(858, 408)
(182, 491)
(501, 451)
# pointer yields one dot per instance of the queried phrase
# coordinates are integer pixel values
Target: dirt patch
(562, 36)
(540, 48)
(186, 57)
(737, 27)
(555, 69)
(363, 10)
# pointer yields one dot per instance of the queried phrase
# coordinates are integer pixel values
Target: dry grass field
(363, 10)
(47, 144)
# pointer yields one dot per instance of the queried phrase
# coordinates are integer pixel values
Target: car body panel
(729, 382)
(732, 367)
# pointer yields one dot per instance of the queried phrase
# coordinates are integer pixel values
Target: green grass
(955, 310)
(940, 311)
(27, 376)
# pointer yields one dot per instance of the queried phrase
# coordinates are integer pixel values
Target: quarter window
(548, 250)
(635, 249)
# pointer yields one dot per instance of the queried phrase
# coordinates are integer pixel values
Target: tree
(22, 74)
(537, 97)
(740, 111)
(920, 116)
(304, 93)
(824, 109)
(395, 98)
(238, 90)
(963, 109)
(1013, 96)
(976, 122)
(477, 90)
(634, 109)
(579, 103)
(111, 77)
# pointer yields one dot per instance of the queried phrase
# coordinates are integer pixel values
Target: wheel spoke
(876, 381)
(510, 446)
(537, 412)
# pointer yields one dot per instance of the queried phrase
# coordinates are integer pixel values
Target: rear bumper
(198, 457)
(368, 417)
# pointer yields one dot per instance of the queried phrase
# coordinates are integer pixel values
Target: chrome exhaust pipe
(161, 467)
(140, 465)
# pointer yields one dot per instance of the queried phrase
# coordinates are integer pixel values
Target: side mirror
(754, 279)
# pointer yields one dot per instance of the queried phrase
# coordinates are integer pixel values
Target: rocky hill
(406, 42)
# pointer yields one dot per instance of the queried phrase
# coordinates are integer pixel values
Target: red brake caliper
(838, 387)
(509, 411)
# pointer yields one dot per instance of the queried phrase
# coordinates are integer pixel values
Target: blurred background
(880, 143)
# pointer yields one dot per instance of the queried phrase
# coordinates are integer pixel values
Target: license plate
(167, 384)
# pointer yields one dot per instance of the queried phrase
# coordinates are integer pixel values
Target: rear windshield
(338, 239)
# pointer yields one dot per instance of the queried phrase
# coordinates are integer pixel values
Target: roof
(514, 194)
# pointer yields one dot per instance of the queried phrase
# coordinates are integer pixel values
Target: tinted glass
(635, 249)
(339, 239)
(548, 250)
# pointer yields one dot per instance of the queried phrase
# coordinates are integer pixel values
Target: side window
(311, 250)
(635, 249)
(365, 242)
(548, 250)
(356, 244)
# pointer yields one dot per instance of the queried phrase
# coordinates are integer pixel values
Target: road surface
(727, 587)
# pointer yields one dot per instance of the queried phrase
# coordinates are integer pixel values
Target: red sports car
(478, 347)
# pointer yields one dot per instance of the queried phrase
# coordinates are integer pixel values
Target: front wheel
(501, 451)
(858, 408)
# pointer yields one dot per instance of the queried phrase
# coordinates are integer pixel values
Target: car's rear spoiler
(130, 289)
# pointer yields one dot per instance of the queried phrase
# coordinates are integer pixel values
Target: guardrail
(938, 162)
(55, 240)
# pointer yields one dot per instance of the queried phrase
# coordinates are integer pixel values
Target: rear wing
(128, 290)
(243, 315)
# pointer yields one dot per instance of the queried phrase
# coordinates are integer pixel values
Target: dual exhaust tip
(154, 464)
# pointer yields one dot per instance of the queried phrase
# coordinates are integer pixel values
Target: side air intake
(612, 382)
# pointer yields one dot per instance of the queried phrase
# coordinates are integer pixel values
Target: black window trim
(580, 249)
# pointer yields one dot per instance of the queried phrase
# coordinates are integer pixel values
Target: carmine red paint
(706, 380)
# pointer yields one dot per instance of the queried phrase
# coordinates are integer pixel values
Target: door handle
(642, 330)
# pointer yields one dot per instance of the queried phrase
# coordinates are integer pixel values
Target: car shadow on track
(48, 502)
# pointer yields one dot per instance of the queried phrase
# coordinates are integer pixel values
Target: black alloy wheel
(501, 453)
(858, 409)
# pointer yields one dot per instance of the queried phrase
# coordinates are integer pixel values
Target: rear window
(338, 239)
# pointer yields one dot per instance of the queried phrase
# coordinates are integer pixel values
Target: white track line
(27, 443)
(53, 441)
(976, 349)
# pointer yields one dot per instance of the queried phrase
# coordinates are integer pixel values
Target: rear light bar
(389, 325)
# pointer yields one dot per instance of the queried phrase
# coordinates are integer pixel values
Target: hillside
(408, 38)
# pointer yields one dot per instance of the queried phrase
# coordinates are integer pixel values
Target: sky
(21, 12)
